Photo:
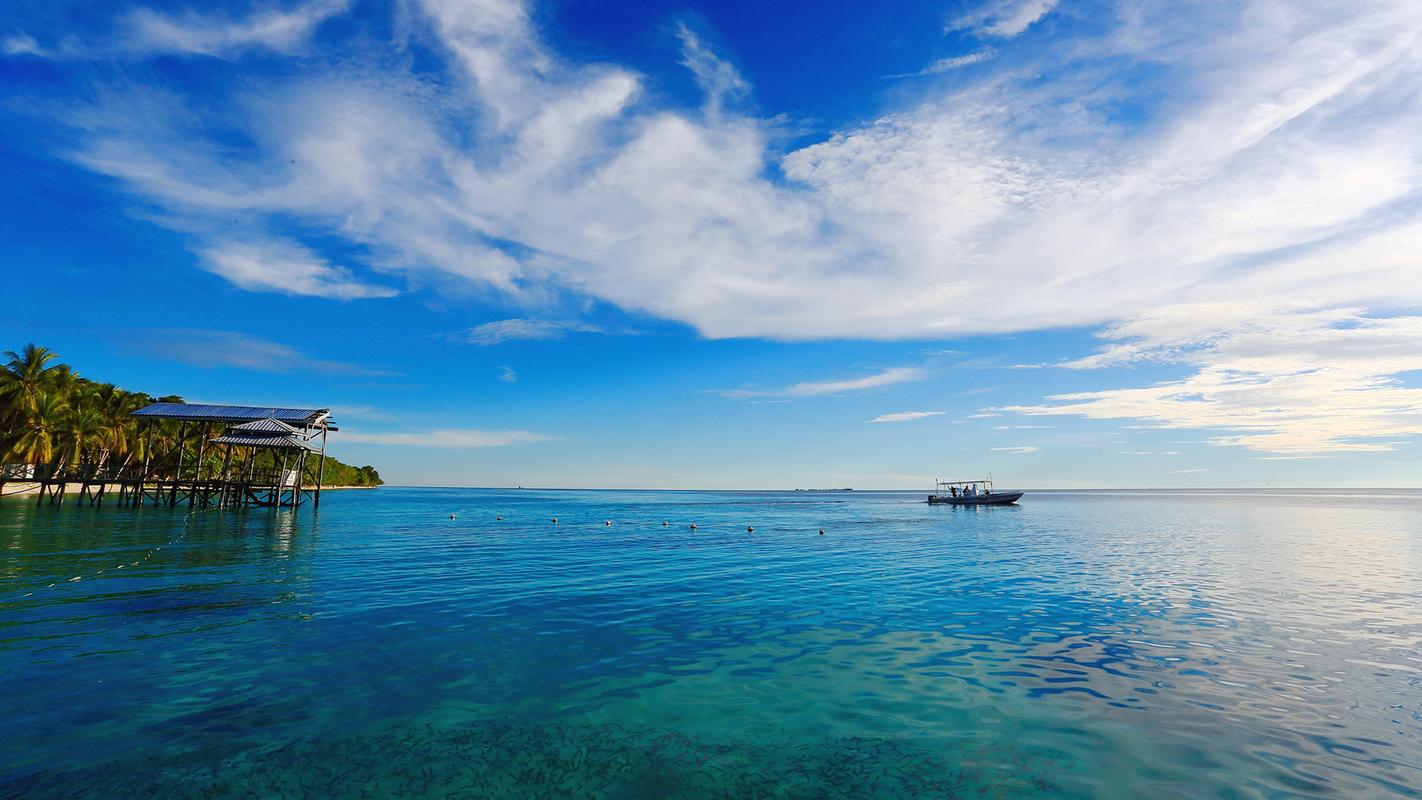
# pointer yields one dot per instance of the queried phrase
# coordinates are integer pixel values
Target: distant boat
(970, 493)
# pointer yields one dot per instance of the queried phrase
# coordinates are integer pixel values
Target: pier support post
(321, 468)
(197, 468)
(226, 466)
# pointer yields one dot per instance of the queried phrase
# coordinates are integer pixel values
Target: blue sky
(741, 244)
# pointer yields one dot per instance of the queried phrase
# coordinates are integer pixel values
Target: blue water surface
(1082, 644)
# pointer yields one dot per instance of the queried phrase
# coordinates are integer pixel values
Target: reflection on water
(1081, 645)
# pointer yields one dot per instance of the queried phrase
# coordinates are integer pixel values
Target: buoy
(555, 520)
(693, 526)
(749, 529)
(451, 516)
(498, 519)
(822, 531)
(608, 523)
(665, 523)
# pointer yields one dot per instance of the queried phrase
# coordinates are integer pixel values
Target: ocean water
(1249, 644)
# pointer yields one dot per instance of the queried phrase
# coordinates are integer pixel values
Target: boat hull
(994, 499)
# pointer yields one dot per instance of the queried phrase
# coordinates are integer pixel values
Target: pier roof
(272, 441)
(201, 412)
(269, 425)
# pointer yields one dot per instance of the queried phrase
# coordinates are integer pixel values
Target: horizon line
(915, 489)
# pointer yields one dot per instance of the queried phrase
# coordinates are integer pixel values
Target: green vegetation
(51, 417)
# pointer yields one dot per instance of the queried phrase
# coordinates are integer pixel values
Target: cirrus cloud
(1004, 18)
(1289, 381)
(286, 268)
(906, 416)
(513, 330)
(1168, 161)
(886, 377)
(145, 32)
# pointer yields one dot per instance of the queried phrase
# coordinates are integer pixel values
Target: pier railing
(139, 484)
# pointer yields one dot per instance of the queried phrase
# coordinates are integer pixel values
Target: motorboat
(970, 493)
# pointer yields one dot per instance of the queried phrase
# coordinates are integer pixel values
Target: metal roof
(199, 412)
(274, 441)
(265, 426)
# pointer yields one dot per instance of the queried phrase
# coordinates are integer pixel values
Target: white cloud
(1003, 18)
(886, 231)
(145, 32)
(718, 78)
(511, 330)
(1018, 450)
(1268, 153)
(153, 32)
(23, 44)
(947, 64)
(446, 438)
(886, 377)
(1186, 471)
(287, 268)
(1283, 381)
(507, 375)
(906, 416)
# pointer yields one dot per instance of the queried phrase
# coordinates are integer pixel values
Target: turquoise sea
(1249, 644)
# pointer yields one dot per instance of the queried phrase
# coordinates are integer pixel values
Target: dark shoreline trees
(50, 417)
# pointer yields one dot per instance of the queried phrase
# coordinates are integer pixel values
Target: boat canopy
(982, 482)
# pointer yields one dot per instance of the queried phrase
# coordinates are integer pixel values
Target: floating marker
(555, 520)
(451, 516)
(609, 522)
(749, 529)
(498, 519)
(693, 526)
(822, 531)
(665, 523)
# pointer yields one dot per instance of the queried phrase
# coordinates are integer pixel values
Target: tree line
(50, 417)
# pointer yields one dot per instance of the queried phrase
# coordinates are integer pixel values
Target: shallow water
(1129, 644)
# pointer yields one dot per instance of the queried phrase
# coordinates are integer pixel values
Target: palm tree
(36, 441)
(81, 433)
(64, 380)
(25, 377)
(121, 434)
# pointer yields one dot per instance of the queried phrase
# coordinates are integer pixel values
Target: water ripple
(1082, 645)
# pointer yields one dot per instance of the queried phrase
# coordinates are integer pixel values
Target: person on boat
(953, 490)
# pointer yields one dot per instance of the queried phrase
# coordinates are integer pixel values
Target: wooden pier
(204, 456)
